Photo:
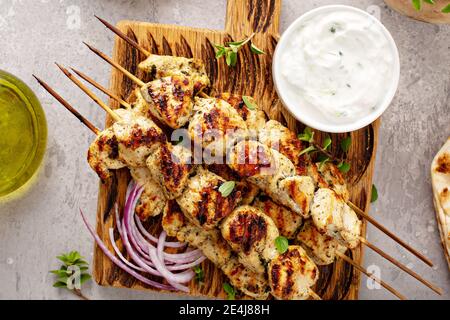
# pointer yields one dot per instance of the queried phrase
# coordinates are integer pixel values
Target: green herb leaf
(234, 48)
(344, 167)
(323, 159)
(236, 43)
(227, 188)
(199, 274)
(70, 260)
(417, 4)
(374, 196)
(220, 53)
(429, 1)
(231, 292)
(282, 244)
(249, 103)
(327, 143)
(346, 144)
(84, 277)
(256, 50)
(231, 58)
(307, 150)
(307, 135)
(446, 9)
(60, 285)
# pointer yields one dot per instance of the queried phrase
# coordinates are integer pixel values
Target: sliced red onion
(116, 249)
(178, 267)
(167, 275)
(154, 239)
(120, 264)
(140, 246)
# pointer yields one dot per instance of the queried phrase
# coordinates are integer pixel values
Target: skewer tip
(63, 69)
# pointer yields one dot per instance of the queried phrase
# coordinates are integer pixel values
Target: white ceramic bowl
(313, 117)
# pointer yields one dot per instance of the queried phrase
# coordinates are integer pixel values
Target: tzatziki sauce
(339, 62)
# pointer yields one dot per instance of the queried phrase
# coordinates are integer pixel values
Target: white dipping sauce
(339, 62)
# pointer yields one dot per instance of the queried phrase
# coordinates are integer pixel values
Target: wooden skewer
(361, 269)
(102, 89)
(124, 36)
(390, 234)
(89, 93)
(354, 207)
(314, 295)
(86, 122)
(401, 266)
(133, 78)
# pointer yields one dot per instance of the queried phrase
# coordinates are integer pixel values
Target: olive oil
(23, 134)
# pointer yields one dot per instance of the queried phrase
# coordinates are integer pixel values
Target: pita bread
(440, 178)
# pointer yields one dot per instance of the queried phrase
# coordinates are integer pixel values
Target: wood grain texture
(252, 76)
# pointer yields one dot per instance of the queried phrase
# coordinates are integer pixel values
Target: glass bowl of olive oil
(23, 134)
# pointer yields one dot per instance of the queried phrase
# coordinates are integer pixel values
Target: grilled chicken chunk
(165, 66)
(274, 174)
(254, 118)
(287, 221)
(251, 234)
(249, 191)
(292, 274)
(152, 200)
(278, 137)
(327, 175)
(333, 217)
(137, 139)
(217, 124)
(216, 249)
(169, 99)
(203, 204)
(103, 154)
(320, 247)
(171, 166)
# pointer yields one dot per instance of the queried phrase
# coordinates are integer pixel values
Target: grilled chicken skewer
(324, 250)
(250, 282)
(344, 223)
(286, 174)
(360, 212)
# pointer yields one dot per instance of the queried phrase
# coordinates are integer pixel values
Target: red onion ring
(120, 264)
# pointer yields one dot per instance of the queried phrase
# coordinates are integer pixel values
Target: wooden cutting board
(253, 77)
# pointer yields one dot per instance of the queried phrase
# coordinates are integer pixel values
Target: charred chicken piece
(152, 200)
(202, 202)
(255, 119)
(166, 66)
(274, 174)
(171, 167)
(170, 100)
(292, 274)
(216, 249)
(287, 221)
(335, 218)
(251, 234)
(137, 139)
(218, 125)
(320, 247)
(103, 154)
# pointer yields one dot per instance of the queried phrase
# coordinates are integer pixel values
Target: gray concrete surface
(45, 221)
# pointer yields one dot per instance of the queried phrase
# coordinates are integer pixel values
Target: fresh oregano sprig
(323, 150)
(199, 274)
(72, 274)
(230, 291)
(230, 50)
